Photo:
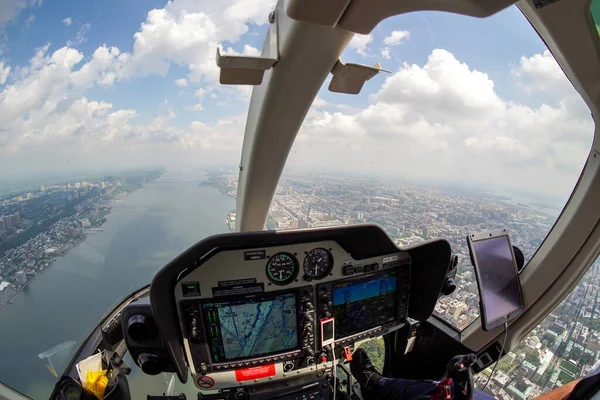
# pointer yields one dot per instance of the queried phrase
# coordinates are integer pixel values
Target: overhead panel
(319, 12)
(362, 16)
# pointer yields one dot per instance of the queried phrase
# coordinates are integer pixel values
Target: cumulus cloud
(187, 33)
(4, 71)
(441, 119)
(542, 72)
(444, 120)
(396, 38)
(67, 21)
(360, 43)
(181, 82)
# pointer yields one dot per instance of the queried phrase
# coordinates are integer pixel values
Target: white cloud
(445, 121)
(542, 72)
(436, 120)
(195, 107)
(385, 53)
(187, 33)
(251, 51)
(360, 43)
(4, 71)
(102, 69)
(396, 38)
(319, 102)
(67, 21)
(80, 37)
(181, 82)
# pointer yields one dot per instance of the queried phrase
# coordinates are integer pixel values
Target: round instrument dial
(318, 263)
(282, 268)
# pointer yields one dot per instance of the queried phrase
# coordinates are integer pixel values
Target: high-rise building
(17, 217)
(3, 227)
(42, 188)
(75, 194)
(77, 185)
(9, 221)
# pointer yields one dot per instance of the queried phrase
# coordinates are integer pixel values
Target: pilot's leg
(375, 386)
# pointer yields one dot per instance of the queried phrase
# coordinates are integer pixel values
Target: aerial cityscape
(554, 353)
(39, 225)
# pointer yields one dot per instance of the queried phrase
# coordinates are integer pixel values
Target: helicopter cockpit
(251, 315)
(267, 314)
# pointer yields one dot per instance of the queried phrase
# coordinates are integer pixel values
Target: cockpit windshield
(119, 149)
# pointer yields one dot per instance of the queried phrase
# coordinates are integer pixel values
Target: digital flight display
(363, 304)
(251, 327)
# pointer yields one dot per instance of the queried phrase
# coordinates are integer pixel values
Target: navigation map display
(359, 305)
(247, 328)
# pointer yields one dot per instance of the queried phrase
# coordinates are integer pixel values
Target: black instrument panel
(210, 299)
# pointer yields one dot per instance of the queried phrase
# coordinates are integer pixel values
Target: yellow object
(95, 382)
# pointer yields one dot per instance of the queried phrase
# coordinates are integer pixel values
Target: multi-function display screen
(498, 277)
(251, 327)
(363, 304)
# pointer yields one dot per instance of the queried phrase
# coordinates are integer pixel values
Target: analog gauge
(318, 263)
(282, 268)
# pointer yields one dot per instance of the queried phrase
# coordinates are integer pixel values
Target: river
(144, 231)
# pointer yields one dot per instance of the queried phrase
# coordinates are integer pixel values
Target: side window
(562, 348)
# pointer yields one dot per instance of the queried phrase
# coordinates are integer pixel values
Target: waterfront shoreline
(82, 238)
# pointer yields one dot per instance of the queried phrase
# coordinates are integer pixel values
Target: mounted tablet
(500, 296)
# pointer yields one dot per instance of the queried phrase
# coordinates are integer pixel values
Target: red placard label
(263, 371)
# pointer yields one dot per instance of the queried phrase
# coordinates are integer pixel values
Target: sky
(92, 85)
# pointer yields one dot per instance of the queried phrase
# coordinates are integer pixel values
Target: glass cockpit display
(363, 304)
(247, 328)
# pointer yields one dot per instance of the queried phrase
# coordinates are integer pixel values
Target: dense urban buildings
(562, 348)
(37, 226)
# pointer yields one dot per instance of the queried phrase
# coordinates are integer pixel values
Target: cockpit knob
(308, 328)
(310, 351)
(309, 306)
(288, 366)
(203, 368)
(308, 317)
(194, 333)
(241, 395)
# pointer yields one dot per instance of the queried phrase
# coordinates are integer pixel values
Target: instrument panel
(255, 307)
(251, 309)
